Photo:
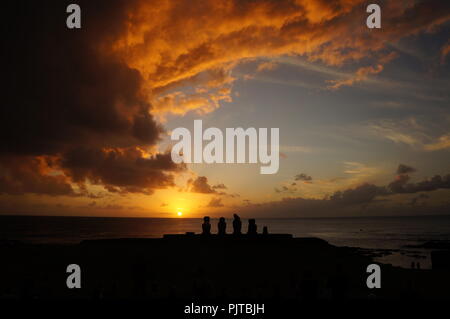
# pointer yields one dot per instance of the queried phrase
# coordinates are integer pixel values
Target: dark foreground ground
(206, 269)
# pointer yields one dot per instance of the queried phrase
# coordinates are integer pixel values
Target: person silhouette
(265, 231)
(237, 225)
(206, 226)
(252, 227)
(222, 226)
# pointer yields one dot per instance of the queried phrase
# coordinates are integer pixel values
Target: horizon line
(263, 218)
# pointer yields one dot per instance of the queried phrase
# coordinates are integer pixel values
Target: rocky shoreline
(212, 267)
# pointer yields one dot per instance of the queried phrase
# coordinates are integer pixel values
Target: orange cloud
(445, 50)
(137, 59)
(27, 174)
(362, 73)
(180, 103)
(173, 43)
(266, 66)
(443, 142)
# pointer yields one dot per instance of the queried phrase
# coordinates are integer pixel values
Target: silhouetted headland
(223, 265)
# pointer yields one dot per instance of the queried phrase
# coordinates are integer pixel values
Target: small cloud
(363, 73)
(360, 171)
(404, 132)
(219, 186)
(303, 177)
(200, 185)
(286, 190)
(410, 132)
(443, 142)
(267, 66)
(215, 202)
(353, 167)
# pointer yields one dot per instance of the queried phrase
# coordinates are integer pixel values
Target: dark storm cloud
(61, 89)
(398, 184)
(362, 194)
(355, 200)
(67, 97)
(125, 170)
(365, 193)
(401, 185)
(27, 175)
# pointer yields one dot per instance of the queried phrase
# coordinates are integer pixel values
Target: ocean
(393, 233)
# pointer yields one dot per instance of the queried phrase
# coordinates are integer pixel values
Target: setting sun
(180, 214)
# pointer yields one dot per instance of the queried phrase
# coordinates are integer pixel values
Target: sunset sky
(364, 114)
